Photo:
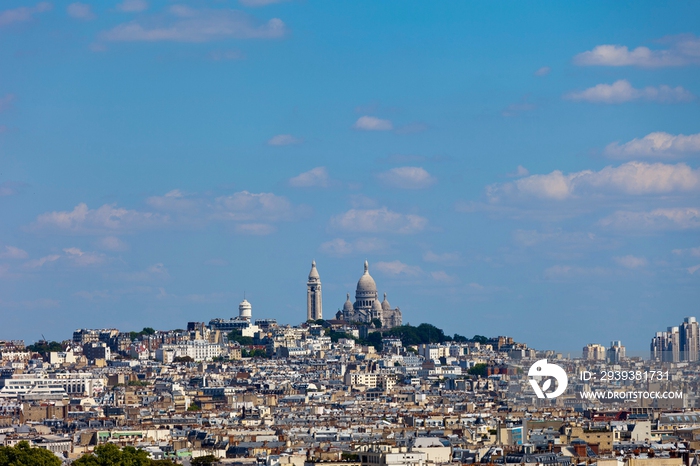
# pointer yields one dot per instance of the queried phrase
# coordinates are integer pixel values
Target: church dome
(314, 272)
(366, 283)
(376, 306)
(385, 304)
(245, 309)
(348, 305)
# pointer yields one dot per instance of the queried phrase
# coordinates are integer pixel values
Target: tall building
(594, 352)
(367, 306)
(616, 352)
(314, 301)
(689, 339)
(665, 346)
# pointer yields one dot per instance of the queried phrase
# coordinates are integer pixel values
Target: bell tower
(314, 302)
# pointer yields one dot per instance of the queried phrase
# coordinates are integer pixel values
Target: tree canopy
(25, 455)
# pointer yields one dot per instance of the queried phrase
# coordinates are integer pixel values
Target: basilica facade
(367, 307)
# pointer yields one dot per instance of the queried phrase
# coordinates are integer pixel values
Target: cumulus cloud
(693, 269)
(341, 247)
(631, 262)
(519, 172)
(12, 252)
(247, 207)
(678, 218)
(407, 178)
(112, 243)
(370, 123)
(172, 201)
(636, 178)
(184, 24)
(378, 220)
(106, 218)
(316, 177)
(397, 268)
(132, 6)
(284, 140)
(684, 50)
(658, 144)
(622, 91)
(38, 263)
(22, 14)
(442, 276)
(82, 258)
(81, 11)
(694, 252)
(544, 71)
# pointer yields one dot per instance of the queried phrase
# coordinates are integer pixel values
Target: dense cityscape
(355, 391)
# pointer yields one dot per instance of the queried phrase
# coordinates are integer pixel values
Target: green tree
(377, 323)
(45, 347)
(237, 336)
(110, 455)
(478, 370)
(24, 455)
(203, 460)
(480, 339)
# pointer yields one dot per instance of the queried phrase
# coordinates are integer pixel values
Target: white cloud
(519, 172)
(678, 218)
(631, 262)
(112, 243)
(259, 3)
(106, 218)
(398, 268)
(658, 144)
(544, 71)
(81, 11)
(694, 252)
(82, 258)
(684, 50)
(132, 6)
(189, 25)
(316, 177)
(636, 178)
(250, 207)
(22, 14)
(442, 276)
(378, 220)
(370, 123)
(444, 258)
(173, 201)
(622, 91)
(693, 269)
(38, 263)
(340, 247)
(284, 140)
(407, 178)
(12, 252)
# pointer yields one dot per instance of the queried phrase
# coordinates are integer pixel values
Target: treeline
(409, 336)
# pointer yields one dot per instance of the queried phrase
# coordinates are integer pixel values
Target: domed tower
(314, 305)
(385, 304)
(365, 296)
(245, 310)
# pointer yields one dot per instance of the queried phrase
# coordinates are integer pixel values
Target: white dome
(385, 304)
(376, 306)
(348, 305)
(314, 271)
(366, 283)
(245, 309)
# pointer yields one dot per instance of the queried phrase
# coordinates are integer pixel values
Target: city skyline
(161, 160)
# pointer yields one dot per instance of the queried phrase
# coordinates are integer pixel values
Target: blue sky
(512, 168)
